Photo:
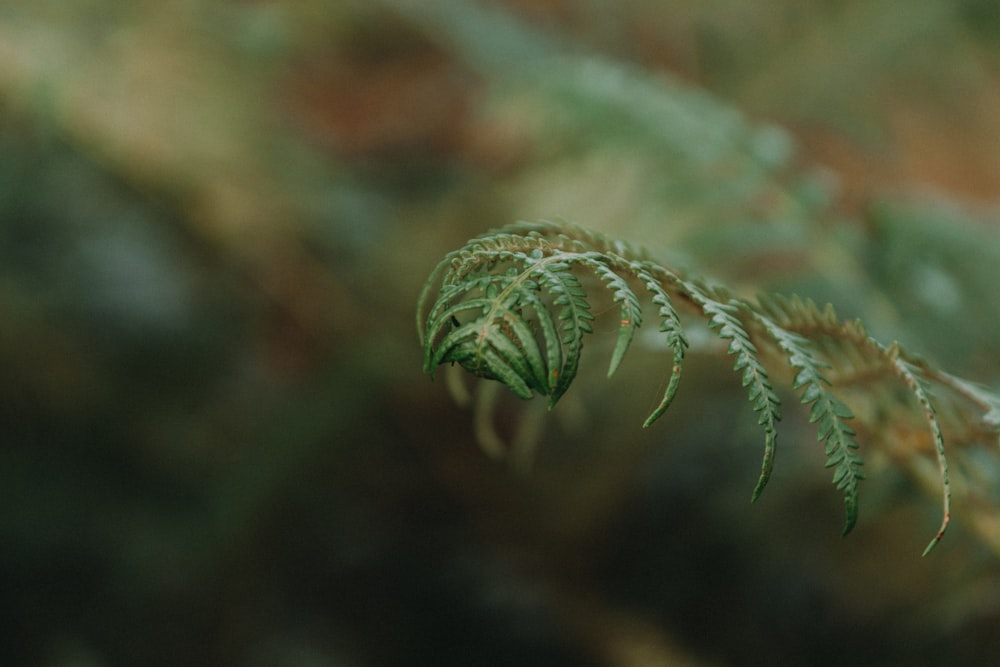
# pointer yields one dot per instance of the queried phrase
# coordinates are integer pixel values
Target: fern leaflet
(828, 413)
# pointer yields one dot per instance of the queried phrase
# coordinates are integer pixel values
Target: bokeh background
(216, 443)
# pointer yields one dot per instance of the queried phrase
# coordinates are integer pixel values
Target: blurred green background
(215, 217)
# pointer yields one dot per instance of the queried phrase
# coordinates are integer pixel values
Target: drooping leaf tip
(930, 547)
(851, 509)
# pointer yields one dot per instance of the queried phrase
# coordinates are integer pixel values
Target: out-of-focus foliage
(215, 218)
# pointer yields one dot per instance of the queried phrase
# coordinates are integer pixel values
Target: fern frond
(525, 326)
(511, 306)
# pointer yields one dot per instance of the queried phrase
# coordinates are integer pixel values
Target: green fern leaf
(552, 344)
(511, 307)
(828, 413)
(630, 309)
(487, 351)
(723, 316)
(670, 324)
(914, 379)
(573, 312)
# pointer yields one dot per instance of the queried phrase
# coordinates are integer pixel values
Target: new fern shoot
(510, 306)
